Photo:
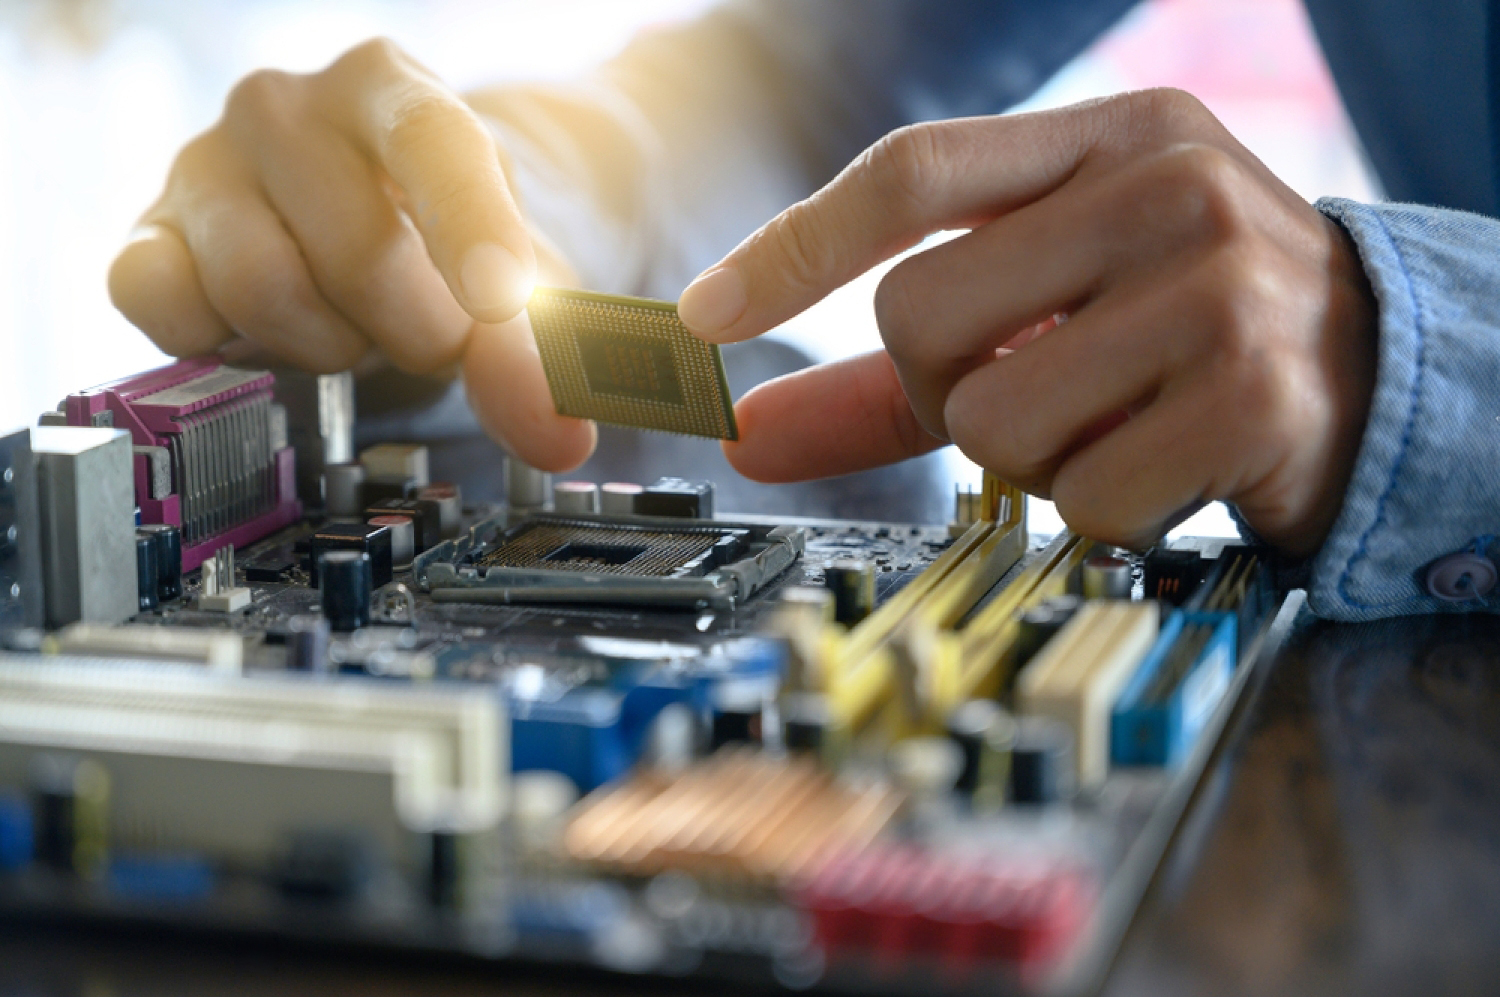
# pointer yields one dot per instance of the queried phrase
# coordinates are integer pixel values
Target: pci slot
(227, 766)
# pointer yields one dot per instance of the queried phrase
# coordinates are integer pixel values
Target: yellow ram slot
(877, 628)
(981, 664)
(968, 582)
(860, 680)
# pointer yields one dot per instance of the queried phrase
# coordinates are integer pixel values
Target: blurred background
(96, 96)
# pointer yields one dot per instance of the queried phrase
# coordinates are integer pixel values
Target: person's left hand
(1220, 336)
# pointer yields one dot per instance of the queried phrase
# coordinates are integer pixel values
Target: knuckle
(907, 165)
(1170, 108)
(265, 97)
(1197, 190)
(1252, 371)
(431, 121)
(374, 55)
(1002, 445)
(798, 239)
(262, 291)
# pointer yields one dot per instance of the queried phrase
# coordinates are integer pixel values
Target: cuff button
(1461, 577)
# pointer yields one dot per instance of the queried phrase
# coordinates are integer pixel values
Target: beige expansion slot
(1077, 677)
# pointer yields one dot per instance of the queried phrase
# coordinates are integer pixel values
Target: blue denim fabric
(1427, 481)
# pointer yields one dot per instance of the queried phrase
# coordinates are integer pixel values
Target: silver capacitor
(617, 498)
(525, 486)
(1106, 577)
(576, 497)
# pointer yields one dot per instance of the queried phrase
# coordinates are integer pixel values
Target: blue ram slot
(1159, 716)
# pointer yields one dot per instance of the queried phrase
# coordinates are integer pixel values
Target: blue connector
(1155, 726)
(17, 846)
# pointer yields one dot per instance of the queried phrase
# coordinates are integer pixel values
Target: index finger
(443, 158)
(916, 181)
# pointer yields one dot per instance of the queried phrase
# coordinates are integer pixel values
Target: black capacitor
(426, 518)
(1041, 761)
(677, 497)
(146, 582)
(737, 715)
(307, 644)
(852, 582)
(346, 585)
(372, 540)
(373, 490)
(1040, 624)
(967, 725)
(804, 721)
(168, 539)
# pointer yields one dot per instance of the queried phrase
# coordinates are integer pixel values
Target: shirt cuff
(1426, 483)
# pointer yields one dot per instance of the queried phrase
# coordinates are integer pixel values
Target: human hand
(1220, 340)
(364, 206)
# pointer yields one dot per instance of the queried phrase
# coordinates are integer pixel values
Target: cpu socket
(622, 560)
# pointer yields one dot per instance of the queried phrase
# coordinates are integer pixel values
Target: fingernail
(714, 301)
(493, 279)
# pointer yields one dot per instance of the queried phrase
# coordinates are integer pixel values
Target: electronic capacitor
(146, 584)
(576, 497)
(525, 486)
(1107, 577)
(344, 577)
(852, 582)
(804, 721)
(450, 505)
(167, 541)
(307, 644)
(1041, 761)
(737, 714)
(618, 498)
(970, 726)
(1040, 624)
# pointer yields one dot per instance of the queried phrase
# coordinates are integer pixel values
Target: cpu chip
(630, 362)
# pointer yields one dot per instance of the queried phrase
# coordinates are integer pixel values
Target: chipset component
(630, 362)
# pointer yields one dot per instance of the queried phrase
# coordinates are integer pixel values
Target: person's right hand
(362, 206)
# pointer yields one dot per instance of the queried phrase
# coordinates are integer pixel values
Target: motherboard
(253, 681)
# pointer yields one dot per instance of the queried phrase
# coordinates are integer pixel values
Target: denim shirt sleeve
(1427, 479)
